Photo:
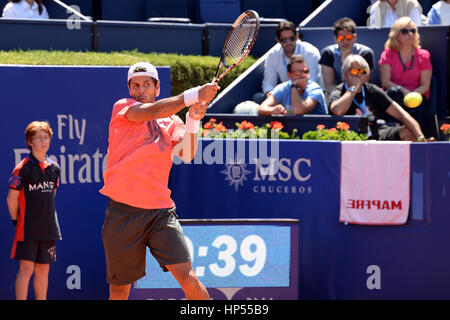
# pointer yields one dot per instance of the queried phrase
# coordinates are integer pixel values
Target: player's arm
(187, 146)
(166, 107)
(13, 203)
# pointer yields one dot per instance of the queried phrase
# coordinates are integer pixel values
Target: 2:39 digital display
(231, 256)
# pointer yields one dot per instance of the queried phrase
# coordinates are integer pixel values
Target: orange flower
(342, 126)
(446, 128)
(320, 127)
(246, 125)
(212, 120)
(276, 125)
(332, 130)
(208, 125)
(220, 127)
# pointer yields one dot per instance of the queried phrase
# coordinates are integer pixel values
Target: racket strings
(240, 39)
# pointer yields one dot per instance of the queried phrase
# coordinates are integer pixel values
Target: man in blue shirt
(299, 95)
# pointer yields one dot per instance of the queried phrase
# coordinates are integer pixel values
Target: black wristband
(14, 222)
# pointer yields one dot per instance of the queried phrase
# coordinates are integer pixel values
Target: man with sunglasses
(332, 56)
(299, 95)
(275, 65)
(355, 96)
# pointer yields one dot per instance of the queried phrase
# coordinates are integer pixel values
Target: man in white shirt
(440, 13)
(25, 9)
(383, 13)
(275, 66)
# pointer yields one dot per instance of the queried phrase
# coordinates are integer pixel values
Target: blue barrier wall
(333, 257)
(77, 102)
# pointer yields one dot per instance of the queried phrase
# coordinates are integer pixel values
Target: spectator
(299, 95)
(405, 67)
(25, 9)
(332, 56)
(439, 13)
(275, 64)
(383, 13)
(357, 97)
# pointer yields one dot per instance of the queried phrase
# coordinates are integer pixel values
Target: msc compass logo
(271, 176)
(236, 173)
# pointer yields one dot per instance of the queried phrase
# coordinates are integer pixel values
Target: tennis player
(144, 135)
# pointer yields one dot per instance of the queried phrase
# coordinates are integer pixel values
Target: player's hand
(278, 109)
(197, 111)
(207, 92)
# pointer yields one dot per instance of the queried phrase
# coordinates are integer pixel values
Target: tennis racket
(239, 42)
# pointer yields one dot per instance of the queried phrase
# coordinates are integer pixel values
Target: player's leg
(185, 275)
(117, 292)
(125, 250)
(26, 269)
(40, 280)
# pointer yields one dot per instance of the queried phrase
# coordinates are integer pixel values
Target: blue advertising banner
(234, 259)
(243, 179)
(77, 102)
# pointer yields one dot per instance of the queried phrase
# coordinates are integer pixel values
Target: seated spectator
(405, 67)
(439, 13)
(299, 95)
(25, 9)
(332, 56)
(275, 64)
(383, 13)
(355, 96)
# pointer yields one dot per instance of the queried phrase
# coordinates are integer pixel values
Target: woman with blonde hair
(383, 13)
(406, 67)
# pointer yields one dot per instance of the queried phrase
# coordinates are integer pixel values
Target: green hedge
(186, 71)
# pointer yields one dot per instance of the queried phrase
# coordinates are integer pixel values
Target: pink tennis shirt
(140, 158)
(410, 79)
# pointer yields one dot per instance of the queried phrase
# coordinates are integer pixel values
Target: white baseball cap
(142, 69)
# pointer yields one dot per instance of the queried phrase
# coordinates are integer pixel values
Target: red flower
(276, 125)
(342, 126)
(208, 125)
(445, 127)
(332, 130)
(220, 127)
(320, 127)
(246, 125)
(212, 120)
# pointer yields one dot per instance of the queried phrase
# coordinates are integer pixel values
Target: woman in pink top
(405, 67)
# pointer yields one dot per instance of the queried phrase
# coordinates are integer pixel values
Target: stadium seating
(167, 11)
(225, 11)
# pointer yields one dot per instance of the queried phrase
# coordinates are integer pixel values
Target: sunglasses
(341, 38)
(407, 31)
(290, 39)
(356, 71)
(300, 72)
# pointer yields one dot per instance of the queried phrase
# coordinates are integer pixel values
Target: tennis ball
(412, 100)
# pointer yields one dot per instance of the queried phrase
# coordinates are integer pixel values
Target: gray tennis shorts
(126, 233)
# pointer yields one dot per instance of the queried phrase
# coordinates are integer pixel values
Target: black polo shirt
(377, 101)
(37, 183)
